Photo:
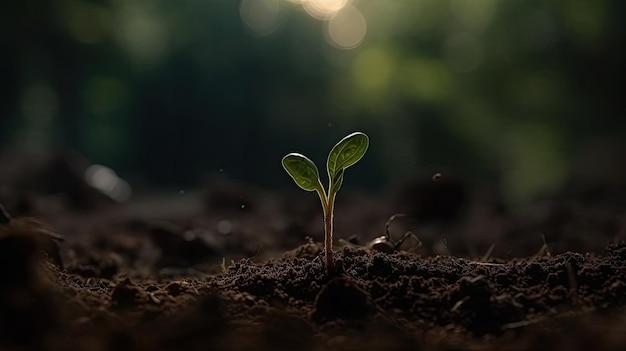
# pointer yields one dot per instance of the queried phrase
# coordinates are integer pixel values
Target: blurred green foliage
(173, 90)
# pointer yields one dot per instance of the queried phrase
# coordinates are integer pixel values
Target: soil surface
(237, 268)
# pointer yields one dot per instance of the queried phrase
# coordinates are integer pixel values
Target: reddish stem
(328, 234)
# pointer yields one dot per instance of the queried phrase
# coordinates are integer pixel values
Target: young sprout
(344, 154)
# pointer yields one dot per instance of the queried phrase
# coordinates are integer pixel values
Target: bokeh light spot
(323, 9)
(141, 33)
(346, 30)
(106, 180)
(373, 70)
(425, 79)
(260, 15)
(225, 226)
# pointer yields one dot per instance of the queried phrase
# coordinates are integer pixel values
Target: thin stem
(323, 198)
(328, 221)
(328, 204)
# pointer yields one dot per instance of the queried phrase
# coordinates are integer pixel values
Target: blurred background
(521, 95)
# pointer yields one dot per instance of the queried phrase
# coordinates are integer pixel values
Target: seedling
(344, 154)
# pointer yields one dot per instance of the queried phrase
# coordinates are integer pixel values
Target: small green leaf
(347, 152)
(303, 171)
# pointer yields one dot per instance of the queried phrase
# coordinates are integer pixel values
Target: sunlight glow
(346, 30)
(323, 9)
(260, 15)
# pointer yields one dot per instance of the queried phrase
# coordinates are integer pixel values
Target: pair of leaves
(344, 154)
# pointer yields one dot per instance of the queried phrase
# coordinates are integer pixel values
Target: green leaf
(347, 152)
(303, 171)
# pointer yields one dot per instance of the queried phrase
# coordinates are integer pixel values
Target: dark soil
(232, 269)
